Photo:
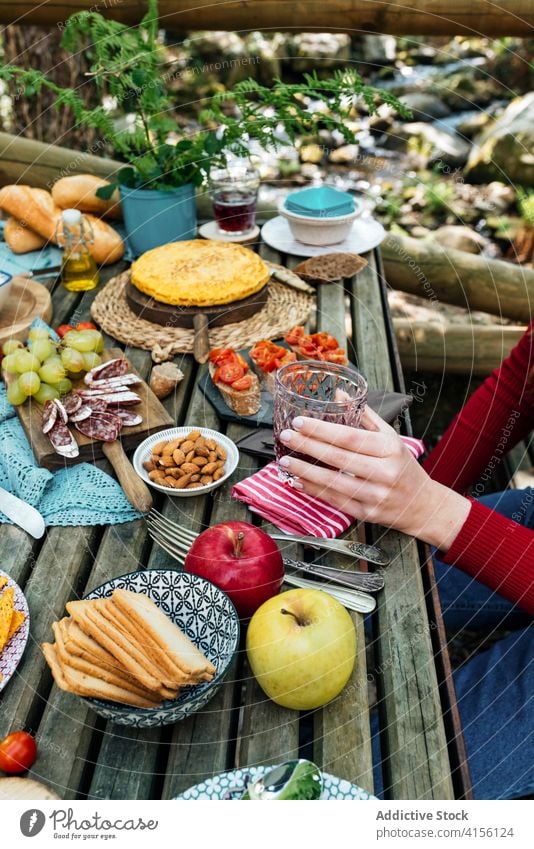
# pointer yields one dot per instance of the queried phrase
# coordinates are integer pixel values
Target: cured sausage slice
(72, 402)
(63, 440)
(113, 368)
(121, 399)
(61, 411)
(129, 379)
(95, 393)
(50, 413)
(97, 405)
(101, 426)
(128, 417)
(83, 413)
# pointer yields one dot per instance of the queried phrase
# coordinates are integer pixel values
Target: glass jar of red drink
(233, 193)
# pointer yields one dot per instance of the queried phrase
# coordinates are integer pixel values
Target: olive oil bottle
(78, 268)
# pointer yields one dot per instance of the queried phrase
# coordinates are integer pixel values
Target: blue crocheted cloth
(75, 495)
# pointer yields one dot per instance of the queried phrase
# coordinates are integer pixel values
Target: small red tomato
(85, 325)
(18, 752)
(64, 328)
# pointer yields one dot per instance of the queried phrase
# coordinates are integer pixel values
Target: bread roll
(20, 238)
(108, 246)
(79, 192)
(35, 208)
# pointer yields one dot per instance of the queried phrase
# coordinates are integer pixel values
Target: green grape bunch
(45, 368)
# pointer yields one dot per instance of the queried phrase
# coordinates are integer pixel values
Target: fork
(177, 541)
(353, 599)
(371, 553)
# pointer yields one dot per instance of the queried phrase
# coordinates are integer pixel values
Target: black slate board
(263, 418)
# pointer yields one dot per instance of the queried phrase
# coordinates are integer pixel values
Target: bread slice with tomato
(267, 357)
(316, 346)
(238, 385)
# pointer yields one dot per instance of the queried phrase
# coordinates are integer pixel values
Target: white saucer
(210, 230)
(366, 234)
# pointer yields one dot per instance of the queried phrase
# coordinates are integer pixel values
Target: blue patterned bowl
(204, 613)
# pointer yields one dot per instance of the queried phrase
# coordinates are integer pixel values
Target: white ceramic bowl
(144, 452)
(320, 231)
(5, 286)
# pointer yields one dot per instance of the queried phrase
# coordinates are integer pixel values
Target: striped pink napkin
(297, 512)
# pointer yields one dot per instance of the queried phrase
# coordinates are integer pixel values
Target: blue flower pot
(153, 217)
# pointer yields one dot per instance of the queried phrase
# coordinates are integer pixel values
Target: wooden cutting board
(155, 417)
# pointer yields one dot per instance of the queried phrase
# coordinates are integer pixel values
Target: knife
(22, 514)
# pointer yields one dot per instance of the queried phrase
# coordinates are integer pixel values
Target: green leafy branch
(126, 65)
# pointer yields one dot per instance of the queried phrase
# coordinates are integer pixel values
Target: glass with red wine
(318, 390)
(233, 193)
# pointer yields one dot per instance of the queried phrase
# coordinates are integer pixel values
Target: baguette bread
(108, 246)
(244, 402)
(20, 238)
(79, 192)
(152, 621)
(36, 209)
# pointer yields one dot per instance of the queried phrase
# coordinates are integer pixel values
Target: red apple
(241, 560)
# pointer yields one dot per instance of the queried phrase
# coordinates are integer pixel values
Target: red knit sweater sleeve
(497, 416)
(498, 552)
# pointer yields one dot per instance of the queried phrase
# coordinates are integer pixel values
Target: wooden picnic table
(82, 756)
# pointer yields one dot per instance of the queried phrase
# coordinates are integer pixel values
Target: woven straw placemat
(285, 308)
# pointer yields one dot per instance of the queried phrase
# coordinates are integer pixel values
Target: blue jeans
(494, 689)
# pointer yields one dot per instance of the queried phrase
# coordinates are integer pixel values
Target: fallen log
(453, 348)
(40, 165)
(422, 267)
(404, 17)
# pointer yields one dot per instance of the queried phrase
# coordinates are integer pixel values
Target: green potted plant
(163, 165)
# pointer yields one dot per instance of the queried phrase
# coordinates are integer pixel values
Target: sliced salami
(121, 399)
(50, 413)
(96, 393)
(63, 440)
(72, 402)
(113, 368)
(129, 379)
(100, 426)
(62, 413)
(83, 413)
(97, 405)
(128, 418)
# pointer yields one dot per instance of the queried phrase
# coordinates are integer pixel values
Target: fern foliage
(126, 65)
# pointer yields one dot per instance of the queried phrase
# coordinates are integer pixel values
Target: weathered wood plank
(417, 764)
(127, 761)
(57, 577)
(341, 730)
(331, 313)
(201, 745)
(368, 329)
(427, 17)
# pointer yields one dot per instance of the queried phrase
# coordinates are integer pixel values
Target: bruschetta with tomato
(238, 385)
(316, 346)
(267, 358)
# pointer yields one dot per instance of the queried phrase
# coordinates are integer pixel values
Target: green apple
(301, 646)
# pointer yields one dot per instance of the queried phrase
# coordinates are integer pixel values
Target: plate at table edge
(212, 788)
(12, 653)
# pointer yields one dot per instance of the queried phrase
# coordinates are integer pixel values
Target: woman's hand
(375, 478)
